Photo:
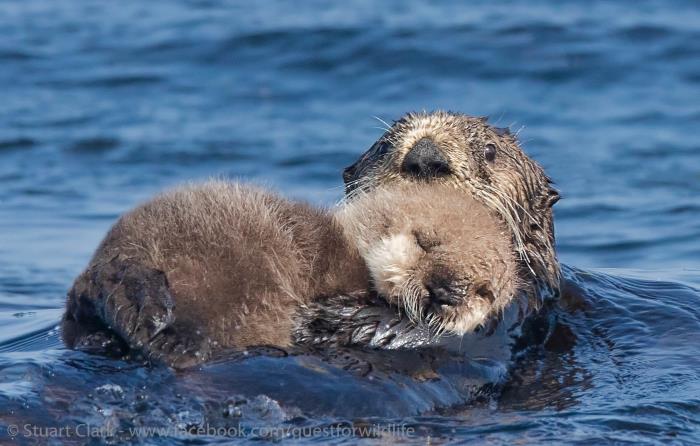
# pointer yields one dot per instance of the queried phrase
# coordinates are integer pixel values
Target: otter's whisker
(386, 127)
(510, 200)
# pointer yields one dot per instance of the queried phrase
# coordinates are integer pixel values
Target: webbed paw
(181, 345)
(135, 300)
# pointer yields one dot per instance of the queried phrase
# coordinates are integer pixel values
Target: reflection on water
(104, 103)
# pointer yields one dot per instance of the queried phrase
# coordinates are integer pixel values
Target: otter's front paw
(135, 300)
(180, 346)
(103, 343)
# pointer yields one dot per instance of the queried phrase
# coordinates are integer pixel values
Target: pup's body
(220, 265)
(237, 262)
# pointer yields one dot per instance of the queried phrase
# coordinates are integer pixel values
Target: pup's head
(439, 255)
(484, 162)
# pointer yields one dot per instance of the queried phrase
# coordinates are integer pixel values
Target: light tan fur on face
(390, 261)
(413, 237)
(513, 185)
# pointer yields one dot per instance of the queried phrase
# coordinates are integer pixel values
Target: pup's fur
(437, 254)
(237, 262)
(511, 184)
(220, 265)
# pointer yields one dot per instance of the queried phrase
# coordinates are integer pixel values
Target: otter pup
(482, 161)
(220, 265)
(441, 257)
(209, 266)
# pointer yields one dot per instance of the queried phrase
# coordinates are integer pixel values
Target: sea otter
(482, 161)
(221, 265)
(441, 257)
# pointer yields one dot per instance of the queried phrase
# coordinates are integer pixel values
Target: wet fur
(414, 236)
(220, 265)
(210, 266)
(514, 186)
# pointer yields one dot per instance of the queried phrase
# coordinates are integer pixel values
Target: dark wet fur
(345, 320)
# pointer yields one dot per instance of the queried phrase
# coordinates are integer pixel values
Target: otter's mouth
(441, 297)
(453, 310)
(439, 304)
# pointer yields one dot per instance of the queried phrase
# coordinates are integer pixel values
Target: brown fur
(419, 239)
(513, 185)
(221, 265)
(238, 261)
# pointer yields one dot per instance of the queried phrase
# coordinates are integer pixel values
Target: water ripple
(105, 103)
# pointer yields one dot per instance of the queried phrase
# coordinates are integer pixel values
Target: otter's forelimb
(125, 298)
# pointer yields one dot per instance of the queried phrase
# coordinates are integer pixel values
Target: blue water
(104, 103)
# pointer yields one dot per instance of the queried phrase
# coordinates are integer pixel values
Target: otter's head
(483, 161)
(437, 254)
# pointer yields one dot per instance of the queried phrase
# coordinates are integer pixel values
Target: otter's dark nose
(442, 295)
(424, 160)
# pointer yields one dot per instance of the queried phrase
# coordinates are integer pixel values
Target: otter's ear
(552, 197)
(552, 194)
(502, 131)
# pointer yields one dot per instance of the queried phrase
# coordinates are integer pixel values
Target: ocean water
(104, 103)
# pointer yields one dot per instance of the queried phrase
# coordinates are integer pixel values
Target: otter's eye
(490, 153)
(426, 241)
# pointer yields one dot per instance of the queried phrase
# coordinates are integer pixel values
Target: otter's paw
(181, 345)
(103, 343)
(135, 300)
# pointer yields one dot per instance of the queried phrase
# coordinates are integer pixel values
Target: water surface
(105, 103)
